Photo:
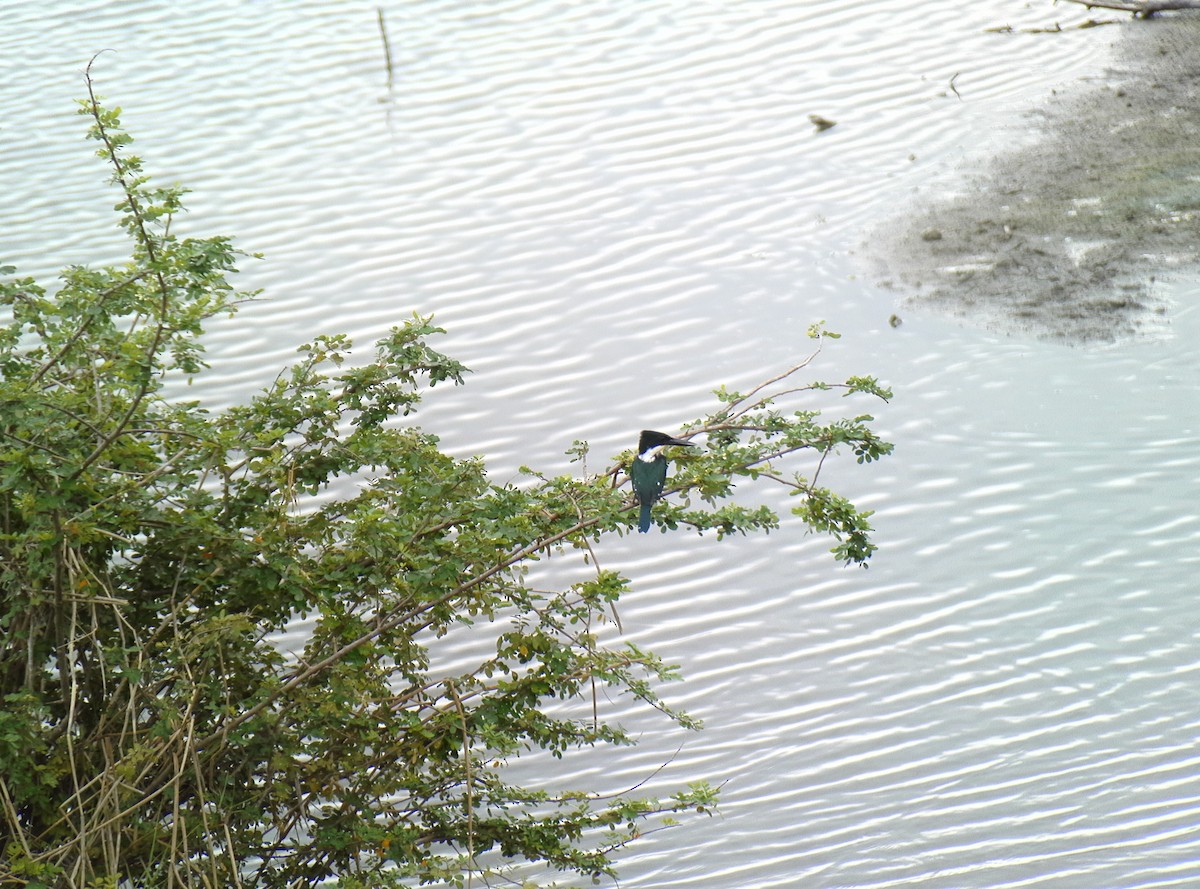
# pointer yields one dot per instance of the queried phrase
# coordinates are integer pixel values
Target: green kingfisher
(649, 471)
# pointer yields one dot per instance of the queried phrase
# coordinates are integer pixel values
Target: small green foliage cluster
(751, 434)
(151, 551)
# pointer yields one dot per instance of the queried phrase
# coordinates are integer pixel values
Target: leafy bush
(153, 732)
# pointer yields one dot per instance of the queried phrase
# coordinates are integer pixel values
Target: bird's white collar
(651, 455)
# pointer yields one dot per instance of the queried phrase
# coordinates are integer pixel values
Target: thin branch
(783, 376)
(466, 754)
(151, 254)
(1141, 8)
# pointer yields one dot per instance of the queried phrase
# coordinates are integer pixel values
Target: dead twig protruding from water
(387, 47)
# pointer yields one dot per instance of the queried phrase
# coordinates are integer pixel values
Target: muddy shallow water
(1067, 237)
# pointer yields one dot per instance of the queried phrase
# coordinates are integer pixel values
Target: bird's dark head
(650, 440)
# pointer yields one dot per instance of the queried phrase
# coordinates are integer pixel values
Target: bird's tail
(644, 518)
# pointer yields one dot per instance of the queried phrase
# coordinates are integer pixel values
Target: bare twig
(1141, 8)
(387, 47)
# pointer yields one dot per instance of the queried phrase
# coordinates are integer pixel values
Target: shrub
(154, 733)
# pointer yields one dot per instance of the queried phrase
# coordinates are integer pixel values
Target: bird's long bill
(681, 443)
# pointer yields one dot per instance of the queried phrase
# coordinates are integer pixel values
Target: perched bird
(649, 471)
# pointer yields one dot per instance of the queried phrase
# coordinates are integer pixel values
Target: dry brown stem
(1141, 8)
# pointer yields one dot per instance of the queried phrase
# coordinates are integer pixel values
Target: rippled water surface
(615, 207)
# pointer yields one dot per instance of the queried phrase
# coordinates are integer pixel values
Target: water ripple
(614, 209)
